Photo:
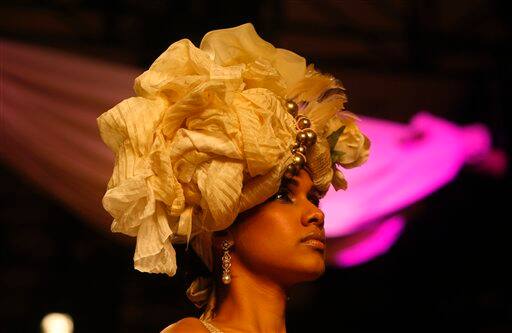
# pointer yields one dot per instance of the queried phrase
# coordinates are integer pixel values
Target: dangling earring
(226, 262)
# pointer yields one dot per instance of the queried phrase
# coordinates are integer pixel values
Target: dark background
(449, 271)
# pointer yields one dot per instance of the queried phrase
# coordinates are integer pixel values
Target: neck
(251, 303)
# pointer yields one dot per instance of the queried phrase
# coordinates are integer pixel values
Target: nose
(315, 216)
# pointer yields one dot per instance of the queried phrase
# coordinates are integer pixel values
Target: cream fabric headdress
(208, 136)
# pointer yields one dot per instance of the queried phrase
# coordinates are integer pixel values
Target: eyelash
(284, 194)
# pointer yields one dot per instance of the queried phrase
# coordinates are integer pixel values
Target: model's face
(268, 238)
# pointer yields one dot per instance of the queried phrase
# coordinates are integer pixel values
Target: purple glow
(374, 242)
(407, 162)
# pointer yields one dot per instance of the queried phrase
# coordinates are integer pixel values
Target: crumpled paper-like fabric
(207, 136)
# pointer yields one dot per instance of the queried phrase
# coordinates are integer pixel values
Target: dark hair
(193, 265)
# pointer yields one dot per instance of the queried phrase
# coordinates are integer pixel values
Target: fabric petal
(154, 252)
(135, 119)
(221, 191)
(263, 144)
(184, 226)
(258, 189)
(338, 180)
(354, 145)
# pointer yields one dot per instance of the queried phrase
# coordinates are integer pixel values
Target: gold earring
(226, 262)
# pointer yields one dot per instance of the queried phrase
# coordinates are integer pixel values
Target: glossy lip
(315, 243)
(314, 239)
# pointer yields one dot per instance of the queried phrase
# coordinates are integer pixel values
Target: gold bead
(292, 108)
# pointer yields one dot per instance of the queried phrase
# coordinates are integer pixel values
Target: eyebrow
(313, 190)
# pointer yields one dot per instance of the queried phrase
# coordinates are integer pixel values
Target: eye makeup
(314, 199)
(284, 194)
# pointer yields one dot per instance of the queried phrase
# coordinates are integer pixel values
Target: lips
(317, 236)
(315, 243)
(316, 240)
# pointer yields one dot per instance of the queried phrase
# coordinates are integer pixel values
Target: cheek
(270, 236)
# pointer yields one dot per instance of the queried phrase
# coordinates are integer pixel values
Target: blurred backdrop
(447, 270)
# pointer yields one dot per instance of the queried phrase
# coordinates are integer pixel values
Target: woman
(277, 244)
(229, 147)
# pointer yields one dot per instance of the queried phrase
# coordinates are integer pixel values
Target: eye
(283, 194)
(314, 199)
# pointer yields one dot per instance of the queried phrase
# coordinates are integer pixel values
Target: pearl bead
(292, 108)
(226, 279)
(303, 123)
(310, 137)
(291, 170)
(301, 149)
(301, 137)
(298, 160)
(294, 147)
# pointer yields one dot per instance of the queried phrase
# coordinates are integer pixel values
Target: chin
(318, 272)
(303, 270)
(312, 268)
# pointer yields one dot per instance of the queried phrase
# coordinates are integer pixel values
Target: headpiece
(211, 133)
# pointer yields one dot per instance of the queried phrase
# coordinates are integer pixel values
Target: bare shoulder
(186, 325)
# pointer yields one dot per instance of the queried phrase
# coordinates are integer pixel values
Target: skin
(267, 259)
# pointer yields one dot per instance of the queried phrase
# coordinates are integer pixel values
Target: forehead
(302, 181)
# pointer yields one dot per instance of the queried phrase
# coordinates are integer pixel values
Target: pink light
(373, 242)
(494, 163)
(407, 162)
